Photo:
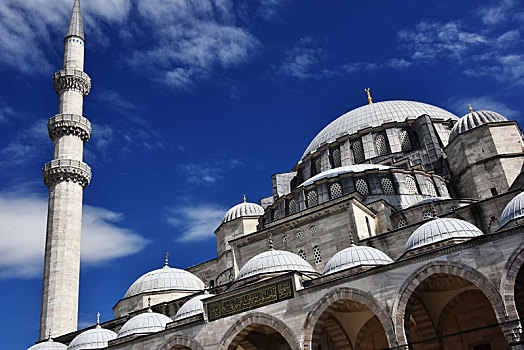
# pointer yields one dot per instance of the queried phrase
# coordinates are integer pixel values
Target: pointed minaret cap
(76, 27)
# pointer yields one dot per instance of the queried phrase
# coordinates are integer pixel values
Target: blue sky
(195, 103)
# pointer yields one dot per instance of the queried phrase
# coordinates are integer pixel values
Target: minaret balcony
(72, 79)
(69, 124)
(59, 170)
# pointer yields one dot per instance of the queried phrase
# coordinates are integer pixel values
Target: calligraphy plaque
(250, 300)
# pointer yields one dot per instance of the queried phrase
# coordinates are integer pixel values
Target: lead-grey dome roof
(356, 168)
(473, 120)
(147, 322)
(192, 307)
(354, 256)
(374, 115)
(440, 229)
(96, 338)
(48, 345)
(242, 210)
(514, 209)
(165, 278)
(274, 261)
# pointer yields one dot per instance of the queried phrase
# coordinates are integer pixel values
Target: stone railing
(69, 124)
(66, 170)
(72, 79)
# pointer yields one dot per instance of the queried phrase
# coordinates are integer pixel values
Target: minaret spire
(66, 176)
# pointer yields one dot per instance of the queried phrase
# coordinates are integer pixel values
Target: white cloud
(460, 106)
(195, 222)
(22, 232)
(303, 60)
(25, 145)
(209, 172)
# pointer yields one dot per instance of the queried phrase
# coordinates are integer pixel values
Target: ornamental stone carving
(69, 124)
(72, 79)
(66, 170)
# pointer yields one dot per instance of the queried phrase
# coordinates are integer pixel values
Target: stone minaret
(66, 176)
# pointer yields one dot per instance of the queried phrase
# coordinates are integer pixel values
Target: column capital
(66, 170)
(513, 332)
(72, 79)
(69, 124)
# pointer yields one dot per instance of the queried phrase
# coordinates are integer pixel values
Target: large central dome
(374, 115)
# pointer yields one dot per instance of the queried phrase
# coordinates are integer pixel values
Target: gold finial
(167, 261)
(369, 96)
(470, 109)
(244, 198)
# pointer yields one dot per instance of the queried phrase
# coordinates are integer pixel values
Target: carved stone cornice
(69, 124)
(72, 79)
(59, 170)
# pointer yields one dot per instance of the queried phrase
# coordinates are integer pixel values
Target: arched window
(430, 188)
(284, 239)
(292, 206)
(317, 255)
(426, 215)
(312, 198)
(335, 156)
(387, 186)
(401, 223)
(362, 187)
(318, 166)
(381, 145)
(405, 141)
(302, 254)
(276, 214)
(411, 185)
(358, 152)
(335, 190)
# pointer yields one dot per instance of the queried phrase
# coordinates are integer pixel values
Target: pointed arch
(178, 341)
(508, 280)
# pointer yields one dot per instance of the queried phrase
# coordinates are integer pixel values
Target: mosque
(401, 226)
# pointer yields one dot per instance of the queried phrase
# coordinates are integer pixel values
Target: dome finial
(271, 244)
(244, 198)
(351, 240)
(369, 95)
(470, 109)
(149, 304)
(166, 263)
(98, 320)
(434, 211)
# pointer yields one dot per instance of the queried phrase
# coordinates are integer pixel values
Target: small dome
(356, 256)
(514, 209)
(474, 119)
(274, 261)
(147, 322)
(96, 338)
(440, 229)
(356, 168)
(48, 345)
(192, 307)
(242, 210)
(165, 278)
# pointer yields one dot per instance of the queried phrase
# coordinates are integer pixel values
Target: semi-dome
(147, 322)
(355, 256)
(356, 168)
(514, 209)
(96, 338)
(48, 345)
(473, 120)
(274, 261)
(243, 210)
(374, 115)
(441, 229)
(192, 307)
(166, 278)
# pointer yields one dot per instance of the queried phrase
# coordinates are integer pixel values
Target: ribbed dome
(242, 210)
(274, 261)
(192, 307)
(356, 256)
(474, 119)
(374, 115)
(357, 168)
(165, 278)
(514, 209)
(441, 229)
(96, 338)
(147, 322)
(48, 345)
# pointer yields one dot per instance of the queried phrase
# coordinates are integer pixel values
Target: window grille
(284, 239)
(362, 187)
(276, 214)
(405, 141)
(411, 185)
(430, 188)
(426, 215)
(358, 152)
(312, 198)
(401, 223)
(312, 229)
(381, 144)
(335, 190)
(302, 254)
(387, 186)
(299, 234)
(318, 166)
(453, 208)
(292, 206)
(337, 161)
(317, 255)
